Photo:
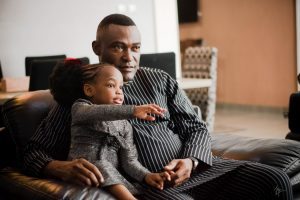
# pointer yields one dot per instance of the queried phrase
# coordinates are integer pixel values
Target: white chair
(201, 62)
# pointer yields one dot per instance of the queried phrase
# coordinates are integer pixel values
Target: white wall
(42, 27)
(167, 29)
(298, 37)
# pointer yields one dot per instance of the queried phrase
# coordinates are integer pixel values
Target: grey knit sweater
(99, 135)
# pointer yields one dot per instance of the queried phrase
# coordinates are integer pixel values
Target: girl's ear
(88, 90)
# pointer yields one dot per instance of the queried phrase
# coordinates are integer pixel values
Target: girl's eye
(121, 87)
(110, 85)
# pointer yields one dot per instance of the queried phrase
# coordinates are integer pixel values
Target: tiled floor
(260, 123)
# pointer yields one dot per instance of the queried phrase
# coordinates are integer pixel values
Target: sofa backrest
(22, 115)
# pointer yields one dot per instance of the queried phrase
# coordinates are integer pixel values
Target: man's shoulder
(152, 71)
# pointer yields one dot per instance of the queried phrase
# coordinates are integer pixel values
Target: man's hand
(157, 179)
(145, 111)
(79, 171)
(182, 169)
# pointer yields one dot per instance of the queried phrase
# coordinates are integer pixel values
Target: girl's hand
(145, 111)
(157, 179)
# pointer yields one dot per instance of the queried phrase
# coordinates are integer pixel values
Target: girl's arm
(84, 111)
(120, 192)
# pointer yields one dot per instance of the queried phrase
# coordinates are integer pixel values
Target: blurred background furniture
(14, 184)
(294, 117)
(41, 70)
(201, 63)
(164, 61)
(29, 60)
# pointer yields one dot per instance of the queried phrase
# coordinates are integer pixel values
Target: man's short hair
(117, 19)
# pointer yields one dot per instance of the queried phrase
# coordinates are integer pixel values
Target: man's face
(120, 46)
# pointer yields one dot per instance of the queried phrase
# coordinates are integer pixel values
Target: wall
(40, 27)
(167, 31)
(298, 38)
(257, 48)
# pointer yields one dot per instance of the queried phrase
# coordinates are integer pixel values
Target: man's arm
(50, 144)
(191, 130)
(186, 123)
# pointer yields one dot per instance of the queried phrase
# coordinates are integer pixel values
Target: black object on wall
(187, 11)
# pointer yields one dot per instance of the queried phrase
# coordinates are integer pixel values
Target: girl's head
(102, 84)
(65, 81)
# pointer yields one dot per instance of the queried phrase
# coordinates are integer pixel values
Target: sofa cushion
(279, 153)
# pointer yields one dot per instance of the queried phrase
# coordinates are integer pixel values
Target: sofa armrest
(280, 153)
(16, 185)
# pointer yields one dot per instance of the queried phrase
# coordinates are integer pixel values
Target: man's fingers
(89, 177)
(94, 170)
(183, 174)
(165, 176)
(86, 169)
(83, 180)
(171, 166)
(156, 184)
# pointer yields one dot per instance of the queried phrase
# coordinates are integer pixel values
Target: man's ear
(96, 47)
(88, 90)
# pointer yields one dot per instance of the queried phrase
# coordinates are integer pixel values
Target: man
(178, 142)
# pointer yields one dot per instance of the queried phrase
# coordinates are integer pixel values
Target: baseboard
(256, 108)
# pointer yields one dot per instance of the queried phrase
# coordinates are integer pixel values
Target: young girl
(100, 134)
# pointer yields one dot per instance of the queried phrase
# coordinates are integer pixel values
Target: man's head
(118, 42)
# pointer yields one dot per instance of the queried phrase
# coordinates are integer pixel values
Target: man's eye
(121, 87)
(118, 47)
(136, 48)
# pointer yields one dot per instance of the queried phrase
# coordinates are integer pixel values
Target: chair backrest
(29, 60)
(40, 72)
(163, 61)
(84, 60)
(201, 62)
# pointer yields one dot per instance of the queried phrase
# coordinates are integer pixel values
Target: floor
(257, 122)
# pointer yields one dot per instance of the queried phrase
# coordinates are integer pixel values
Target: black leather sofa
(22, 115)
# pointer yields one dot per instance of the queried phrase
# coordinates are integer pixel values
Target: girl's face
(108, 87)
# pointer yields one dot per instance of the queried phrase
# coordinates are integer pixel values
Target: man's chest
(145, 93)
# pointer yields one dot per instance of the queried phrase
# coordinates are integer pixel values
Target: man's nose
(127, 55)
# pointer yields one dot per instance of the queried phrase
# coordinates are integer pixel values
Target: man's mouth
(126, 68)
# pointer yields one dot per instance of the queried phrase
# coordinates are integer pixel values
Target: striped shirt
(179, 134)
